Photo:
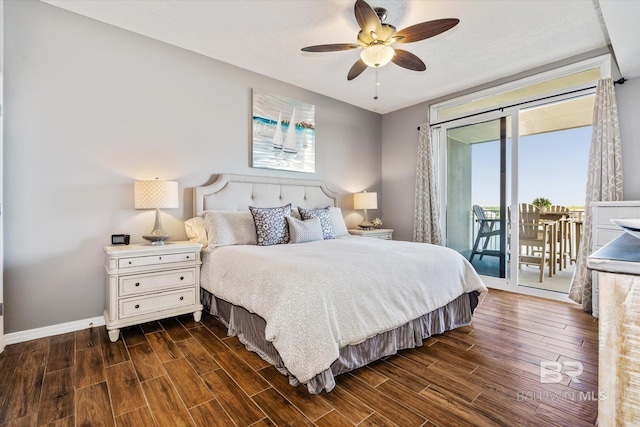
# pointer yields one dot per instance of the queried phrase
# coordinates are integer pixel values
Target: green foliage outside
(541, 202)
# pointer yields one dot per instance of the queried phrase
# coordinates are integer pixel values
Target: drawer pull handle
(181, 277)
(187, 256)
(137, 283)
(129, 262)
(137, 305)
(159, 257)
(181, 298)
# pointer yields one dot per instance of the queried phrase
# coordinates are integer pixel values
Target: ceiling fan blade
(367, 18)
(425, 30)
(356, 70)
(408, 60)
(331, 47)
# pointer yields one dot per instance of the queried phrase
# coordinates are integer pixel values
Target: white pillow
(226, 228)
(304, 231)
(337, 220)
(325, 219)
(196, 231)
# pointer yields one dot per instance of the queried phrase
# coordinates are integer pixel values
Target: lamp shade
(156, 194)
(365, 200)
(377, 55)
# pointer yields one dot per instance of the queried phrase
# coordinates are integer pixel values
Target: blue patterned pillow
(271, 224)
(325, 220)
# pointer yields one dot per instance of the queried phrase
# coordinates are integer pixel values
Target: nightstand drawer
(150, 304)
(376, 233)
(156, 259)
(141, 283)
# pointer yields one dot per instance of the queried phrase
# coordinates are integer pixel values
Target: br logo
(551, 372)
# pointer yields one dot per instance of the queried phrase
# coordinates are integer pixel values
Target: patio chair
(562, 214)
(575, 233)
(534, 238)
(486, 230)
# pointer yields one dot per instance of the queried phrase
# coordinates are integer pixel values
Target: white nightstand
(377, 233)
(146, 283)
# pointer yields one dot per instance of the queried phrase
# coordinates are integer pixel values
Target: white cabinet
(145, 283)
(377, 233)
(604, 231)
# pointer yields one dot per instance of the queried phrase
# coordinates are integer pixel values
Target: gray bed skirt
(249, 328)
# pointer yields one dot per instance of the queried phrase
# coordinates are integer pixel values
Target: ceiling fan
(376, 38)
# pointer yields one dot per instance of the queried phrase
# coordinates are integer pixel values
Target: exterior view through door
(477, 213)
(547, 165)
(512, 174)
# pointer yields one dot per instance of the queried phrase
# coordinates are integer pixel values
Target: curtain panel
(604, 181)
(426, 221)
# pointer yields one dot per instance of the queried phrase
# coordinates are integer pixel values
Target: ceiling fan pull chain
(377, 84)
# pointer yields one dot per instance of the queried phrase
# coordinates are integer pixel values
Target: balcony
(567, 239)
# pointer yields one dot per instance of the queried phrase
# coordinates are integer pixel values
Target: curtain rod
(620, 81)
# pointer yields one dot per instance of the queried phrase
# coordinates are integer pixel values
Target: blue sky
(552, 165)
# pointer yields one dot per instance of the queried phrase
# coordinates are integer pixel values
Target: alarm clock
(120, 239)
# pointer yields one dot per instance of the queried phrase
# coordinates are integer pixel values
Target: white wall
(89, 108)
(400, 137)
(2, 341)
(628, 99)
(400, 148)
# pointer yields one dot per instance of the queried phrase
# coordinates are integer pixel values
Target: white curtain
(426, 221)
(604, 181)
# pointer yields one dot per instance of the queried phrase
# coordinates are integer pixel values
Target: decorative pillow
(271, 224)
(304, 231)
(337, 220)
(196, 231)
(325, 219)
(226, 228)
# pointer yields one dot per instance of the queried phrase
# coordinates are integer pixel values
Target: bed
(325, 305)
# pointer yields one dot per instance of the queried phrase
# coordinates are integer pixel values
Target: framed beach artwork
(283, 132)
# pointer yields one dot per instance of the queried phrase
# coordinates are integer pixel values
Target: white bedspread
(318, 297)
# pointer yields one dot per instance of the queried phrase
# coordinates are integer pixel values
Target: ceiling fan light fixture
(376, 37)
(377, 55)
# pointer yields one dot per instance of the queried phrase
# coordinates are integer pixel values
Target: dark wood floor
(177, 372)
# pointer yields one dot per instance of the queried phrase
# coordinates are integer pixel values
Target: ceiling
(494, 39)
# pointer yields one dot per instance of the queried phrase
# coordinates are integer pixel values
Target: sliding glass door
(478, 192)
(510, 145)
(489, 167)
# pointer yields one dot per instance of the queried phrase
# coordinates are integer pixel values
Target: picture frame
(276, 143)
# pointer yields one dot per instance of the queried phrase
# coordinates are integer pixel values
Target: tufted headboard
(237, 192)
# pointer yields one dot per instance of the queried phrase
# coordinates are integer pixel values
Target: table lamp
(365, 201)
(156, 194)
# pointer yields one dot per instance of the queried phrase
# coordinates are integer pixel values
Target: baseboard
(47, 331)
